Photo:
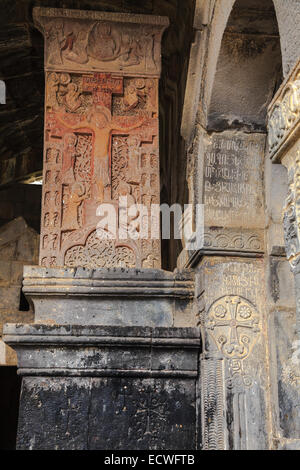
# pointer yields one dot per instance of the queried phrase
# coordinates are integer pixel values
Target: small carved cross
(103, 86)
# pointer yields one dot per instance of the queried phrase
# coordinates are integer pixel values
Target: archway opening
(249, 68)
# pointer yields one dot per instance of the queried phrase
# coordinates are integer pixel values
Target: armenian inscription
(232, 180)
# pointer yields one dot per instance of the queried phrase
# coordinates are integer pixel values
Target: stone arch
(287, 16)
(247, 58)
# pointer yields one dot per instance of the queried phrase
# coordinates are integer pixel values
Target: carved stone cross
(228, 319)
(101, 134)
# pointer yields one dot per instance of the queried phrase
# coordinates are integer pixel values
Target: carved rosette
(101, 135)
(234, 325)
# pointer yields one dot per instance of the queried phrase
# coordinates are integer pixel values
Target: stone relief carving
(101, 142)
(100, 254)
(234, 241)
(213, 405)
(234, 324)
(66, 91)
(284, 113)
(102, 42)
(291, 219)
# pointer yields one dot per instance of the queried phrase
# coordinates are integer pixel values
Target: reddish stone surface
(101, 142)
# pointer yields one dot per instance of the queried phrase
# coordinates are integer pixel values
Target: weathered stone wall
(20, 214)
(18, 247)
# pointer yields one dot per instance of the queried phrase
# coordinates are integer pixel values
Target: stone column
(101, 134)
(105, 365)
(284, 147)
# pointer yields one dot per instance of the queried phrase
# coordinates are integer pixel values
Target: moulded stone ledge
(125, 297)
(104, 351)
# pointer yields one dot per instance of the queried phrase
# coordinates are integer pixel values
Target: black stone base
(107, 388)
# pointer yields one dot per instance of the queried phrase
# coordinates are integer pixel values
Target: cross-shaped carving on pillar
(234, 325)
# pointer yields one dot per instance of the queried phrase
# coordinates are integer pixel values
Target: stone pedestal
(92, 388)
(122, 297)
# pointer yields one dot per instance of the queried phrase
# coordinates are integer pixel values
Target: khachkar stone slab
(101, 133)
(107, 387)
(233, 192)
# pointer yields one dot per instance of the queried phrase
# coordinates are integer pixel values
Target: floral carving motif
(98, 253)
(284, 113)
(291, 220)
(234, 324)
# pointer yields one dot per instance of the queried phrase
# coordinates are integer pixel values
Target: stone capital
(86, 41)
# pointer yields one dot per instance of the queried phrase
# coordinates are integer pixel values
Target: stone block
(286, 361)
(113, 388)
(16, 272)
(233, 185)
(110, 296)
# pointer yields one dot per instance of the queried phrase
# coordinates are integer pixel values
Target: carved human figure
(101, 124)
(71, 206)
(55, 37)
(52, 89)
(73, 98)
(104, 42)
(127, 201)
(75, 47)
(131, 51)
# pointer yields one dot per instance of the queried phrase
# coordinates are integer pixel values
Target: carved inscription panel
(233, 193)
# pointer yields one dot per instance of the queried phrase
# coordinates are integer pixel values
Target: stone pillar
(98, 388)
(101, 134)
(230, 289)
(106, 364)
(284, 147)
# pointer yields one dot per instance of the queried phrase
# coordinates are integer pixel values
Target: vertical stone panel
(101, 136)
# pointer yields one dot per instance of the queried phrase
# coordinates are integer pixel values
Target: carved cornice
(39, 12)
(284, 116)
(88, 41)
